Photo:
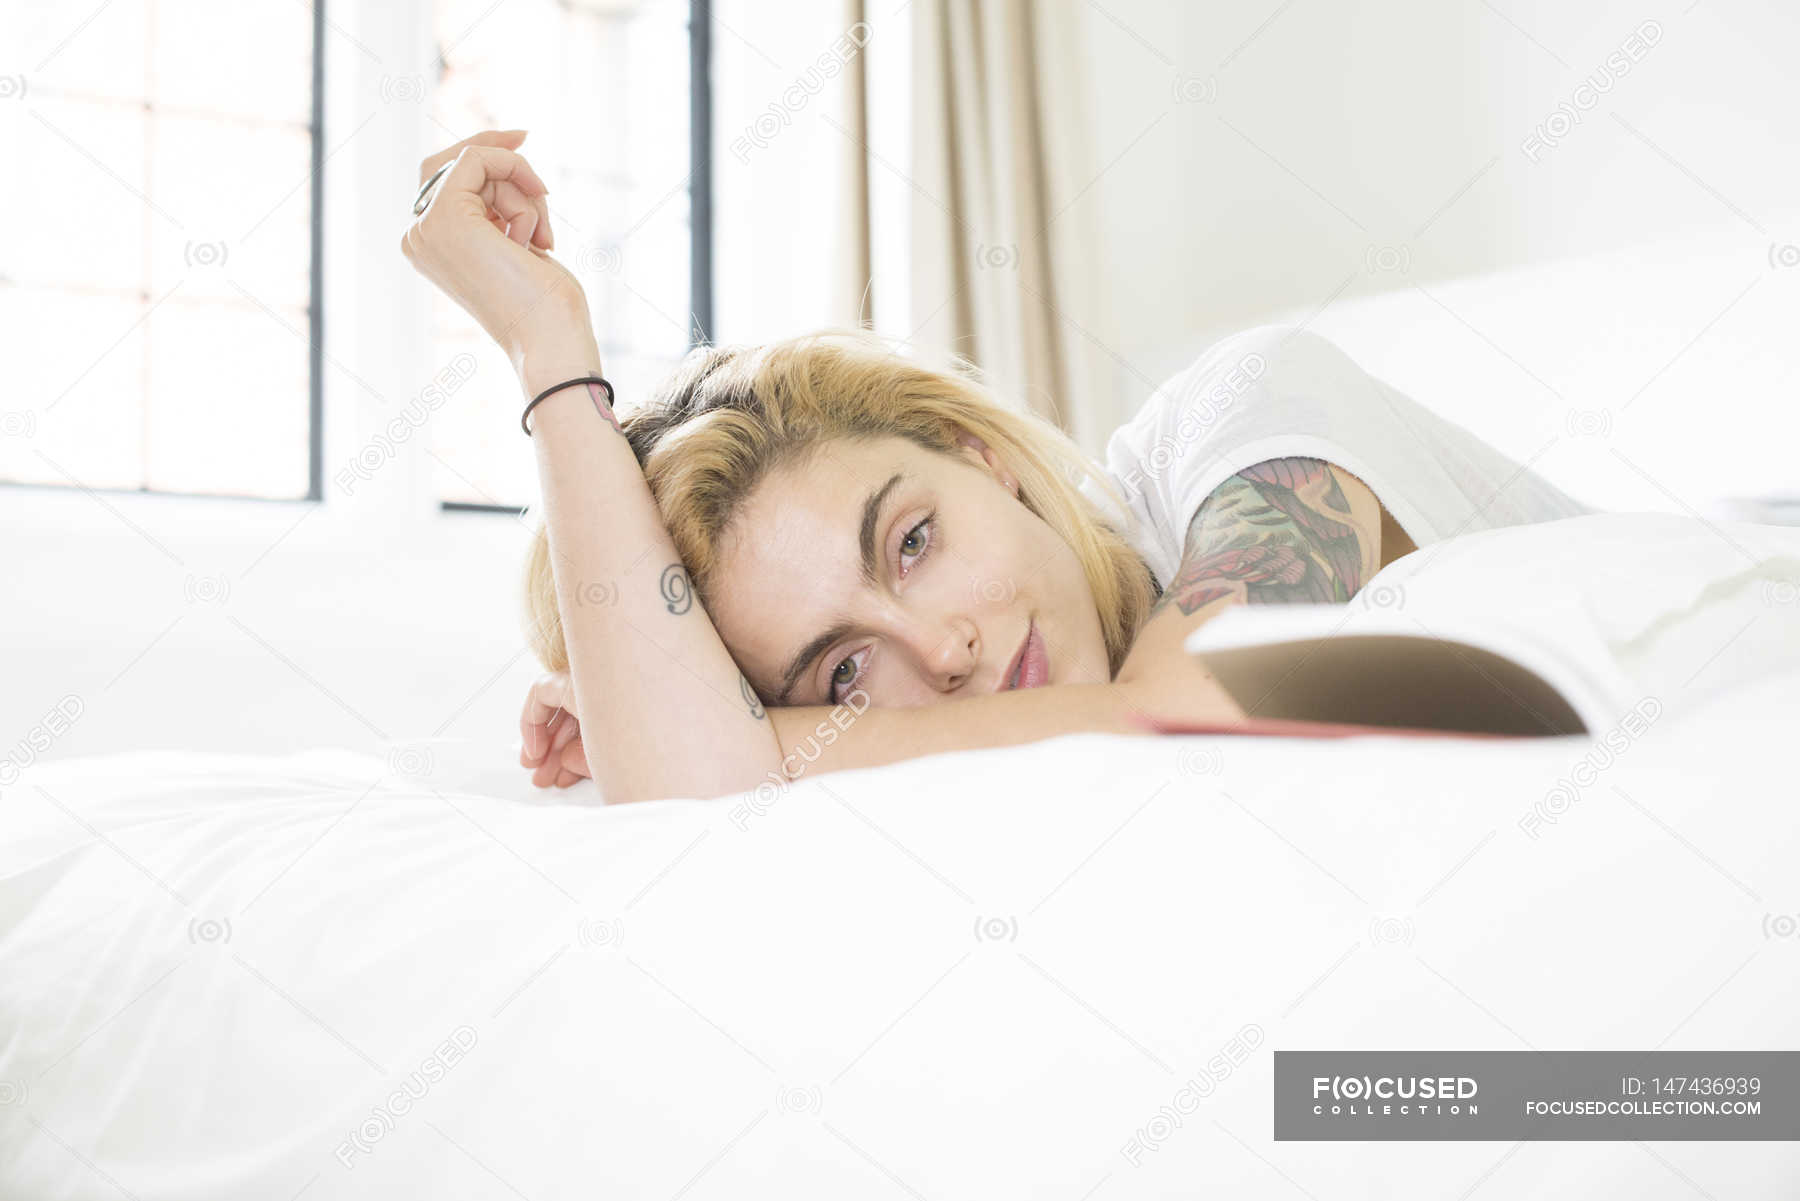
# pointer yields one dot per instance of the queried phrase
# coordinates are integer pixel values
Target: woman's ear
(996, 467)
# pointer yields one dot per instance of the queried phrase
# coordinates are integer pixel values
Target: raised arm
(647, 667)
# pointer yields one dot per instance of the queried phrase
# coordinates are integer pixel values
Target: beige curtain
(1000, 259)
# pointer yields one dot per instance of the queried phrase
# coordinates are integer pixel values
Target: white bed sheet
(983, 974)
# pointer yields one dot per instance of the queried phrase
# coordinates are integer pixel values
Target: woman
(786, 559)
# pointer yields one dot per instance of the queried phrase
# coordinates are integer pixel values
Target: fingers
(543, 238)
(506, 139)
(548, 696)
(574, 759)
(545, 773)
(565, 728)
(550, 735)
(573, 766)
(478, 166)
(520, 215)
(524, 219)
(499, 185)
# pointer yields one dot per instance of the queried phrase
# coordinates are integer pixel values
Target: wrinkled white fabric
(1277, 391)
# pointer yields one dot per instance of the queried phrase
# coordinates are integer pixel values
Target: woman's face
(907, 574)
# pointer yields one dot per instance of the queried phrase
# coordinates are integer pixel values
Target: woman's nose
(951, 653)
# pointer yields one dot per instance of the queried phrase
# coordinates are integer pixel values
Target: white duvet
(1056, 971)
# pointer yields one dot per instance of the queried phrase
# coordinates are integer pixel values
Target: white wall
(1321, 134)
(1617, 295)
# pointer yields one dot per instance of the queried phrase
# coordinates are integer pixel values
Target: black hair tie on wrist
(570, 383)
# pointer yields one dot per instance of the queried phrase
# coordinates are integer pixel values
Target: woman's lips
(1030, 667)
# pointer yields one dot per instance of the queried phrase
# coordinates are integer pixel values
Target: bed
(1049, 971)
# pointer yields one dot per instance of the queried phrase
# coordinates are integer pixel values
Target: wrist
(545, 359)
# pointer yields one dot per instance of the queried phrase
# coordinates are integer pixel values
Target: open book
(1362, 665)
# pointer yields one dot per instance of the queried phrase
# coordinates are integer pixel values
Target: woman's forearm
(821, 739)
(664, 709)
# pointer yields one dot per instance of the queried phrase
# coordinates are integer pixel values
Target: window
(158, 286)
(604, 88)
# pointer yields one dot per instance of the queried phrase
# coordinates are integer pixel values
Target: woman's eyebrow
(871, 517)
(871, 520)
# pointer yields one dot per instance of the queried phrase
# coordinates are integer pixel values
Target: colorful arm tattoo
(1280, 531)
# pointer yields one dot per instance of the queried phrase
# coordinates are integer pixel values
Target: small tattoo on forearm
(604, 409)
(677, 590)
(750, 698)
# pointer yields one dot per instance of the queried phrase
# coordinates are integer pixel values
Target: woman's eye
(913, 545)
(843, 677)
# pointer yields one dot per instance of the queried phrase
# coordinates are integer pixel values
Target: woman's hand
(550, 734)
(484, 241)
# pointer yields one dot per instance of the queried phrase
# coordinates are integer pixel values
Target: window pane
(177, 248)
(75, 403)
(228, 56)
(91, 50)
(221, 381)
(603, 88)
(239, 189)
(97, 233)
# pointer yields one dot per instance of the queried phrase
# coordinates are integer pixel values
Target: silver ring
(424, 200)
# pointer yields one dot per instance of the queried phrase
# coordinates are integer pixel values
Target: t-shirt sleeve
(1277, 392)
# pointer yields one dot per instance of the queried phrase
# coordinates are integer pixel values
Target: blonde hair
(731, 415)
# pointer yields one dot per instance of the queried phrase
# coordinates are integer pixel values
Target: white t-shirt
(1278, 391)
